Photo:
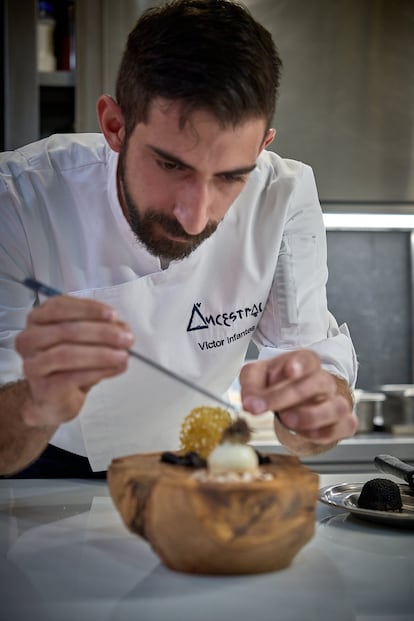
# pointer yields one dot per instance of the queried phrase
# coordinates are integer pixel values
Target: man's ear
(270, 135)
(111, 121)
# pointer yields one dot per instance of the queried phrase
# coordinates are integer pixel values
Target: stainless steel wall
(347, 96)
(370, 289)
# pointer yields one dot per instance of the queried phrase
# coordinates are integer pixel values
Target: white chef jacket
(260, 276)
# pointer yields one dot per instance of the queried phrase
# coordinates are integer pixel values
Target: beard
(146, 227)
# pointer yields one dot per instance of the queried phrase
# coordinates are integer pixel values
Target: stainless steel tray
(345, 496)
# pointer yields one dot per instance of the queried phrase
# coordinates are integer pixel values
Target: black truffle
(381, 495)
(189, 460)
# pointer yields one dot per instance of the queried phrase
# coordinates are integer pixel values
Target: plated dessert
(216, 506)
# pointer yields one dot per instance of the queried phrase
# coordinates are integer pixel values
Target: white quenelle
(230, 457)
(233, 455)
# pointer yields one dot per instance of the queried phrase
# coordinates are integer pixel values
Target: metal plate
(345, 496)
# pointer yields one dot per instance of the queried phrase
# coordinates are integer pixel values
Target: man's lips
(172, 236)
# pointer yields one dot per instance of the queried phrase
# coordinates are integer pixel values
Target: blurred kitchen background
(346, 107)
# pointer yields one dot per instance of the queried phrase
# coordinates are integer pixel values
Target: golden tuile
(202, 429)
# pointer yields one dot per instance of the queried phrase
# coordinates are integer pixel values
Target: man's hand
(68, 346)
(315, 408)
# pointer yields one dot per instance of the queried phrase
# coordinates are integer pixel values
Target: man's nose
(192, 208)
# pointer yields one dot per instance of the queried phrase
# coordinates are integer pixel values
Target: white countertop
(65, 555)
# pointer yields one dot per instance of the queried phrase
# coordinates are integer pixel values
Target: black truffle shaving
(238, 432)
(380, 495)
(189, 460)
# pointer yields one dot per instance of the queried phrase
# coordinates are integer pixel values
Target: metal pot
(399, 405)
(369, 410)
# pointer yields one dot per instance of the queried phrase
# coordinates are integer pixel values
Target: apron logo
(198, 321)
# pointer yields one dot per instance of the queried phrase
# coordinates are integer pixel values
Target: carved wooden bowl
(210, 527)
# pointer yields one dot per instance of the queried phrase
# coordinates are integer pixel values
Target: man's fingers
(69, 308)
(308, 400)
(316, 388)
(310, 417)
(73, 358)
(40, 337)
(286, 394)
(68, 346)
(66, 393)
(255, 379)
(253, 376)
(292, 366)
(322, 422)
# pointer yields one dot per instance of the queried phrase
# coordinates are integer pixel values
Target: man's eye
(234, 178)
(165, 165)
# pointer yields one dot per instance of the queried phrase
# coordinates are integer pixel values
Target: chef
(177, 231)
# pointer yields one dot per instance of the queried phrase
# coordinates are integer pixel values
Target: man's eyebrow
(243, 170)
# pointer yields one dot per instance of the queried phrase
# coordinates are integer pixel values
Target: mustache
(173, 227)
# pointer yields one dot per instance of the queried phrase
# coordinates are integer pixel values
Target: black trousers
(55, 463)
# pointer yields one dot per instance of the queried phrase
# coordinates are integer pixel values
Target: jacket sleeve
(296, 314)
(15, 300)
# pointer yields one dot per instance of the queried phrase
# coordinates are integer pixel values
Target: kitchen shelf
(56, 78)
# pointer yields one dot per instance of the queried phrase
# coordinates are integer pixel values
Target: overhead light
(368, 221)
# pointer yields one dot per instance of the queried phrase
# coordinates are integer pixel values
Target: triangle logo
(197, 321)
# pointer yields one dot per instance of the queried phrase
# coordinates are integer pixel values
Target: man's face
(176, 184)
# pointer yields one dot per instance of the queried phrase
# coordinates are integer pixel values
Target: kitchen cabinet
(36, 103)
(56, 64)
(56, 102)
(19, 98)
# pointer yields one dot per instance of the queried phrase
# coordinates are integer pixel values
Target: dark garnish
(189, 460)
(380, 495)
(195, 460)
(238, 432)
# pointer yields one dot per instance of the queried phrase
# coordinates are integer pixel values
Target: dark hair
(209, 54)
